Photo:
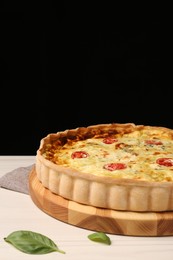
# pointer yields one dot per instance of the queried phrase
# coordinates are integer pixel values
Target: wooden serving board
(98, 219)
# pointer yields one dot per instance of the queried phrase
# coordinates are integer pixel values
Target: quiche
(117, 166)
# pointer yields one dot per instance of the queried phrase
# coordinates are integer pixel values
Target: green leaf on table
(100, 237)
(32, 243)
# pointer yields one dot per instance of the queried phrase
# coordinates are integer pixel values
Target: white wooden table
(18, 212)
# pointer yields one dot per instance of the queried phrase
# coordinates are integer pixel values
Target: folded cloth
(17, 179)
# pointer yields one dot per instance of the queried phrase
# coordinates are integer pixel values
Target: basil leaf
(100, 237)
(32, 243)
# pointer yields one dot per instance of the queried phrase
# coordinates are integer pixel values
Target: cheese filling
(138, 155)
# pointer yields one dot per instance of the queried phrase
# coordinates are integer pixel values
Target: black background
(65, 65)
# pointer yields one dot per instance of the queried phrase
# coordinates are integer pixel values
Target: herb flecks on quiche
(115, 166)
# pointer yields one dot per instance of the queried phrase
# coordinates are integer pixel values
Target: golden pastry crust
(144, 184)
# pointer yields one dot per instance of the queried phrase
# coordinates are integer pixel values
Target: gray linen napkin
(17, 179)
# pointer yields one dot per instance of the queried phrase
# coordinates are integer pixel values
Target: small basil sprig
(32, 243)
(100, 237)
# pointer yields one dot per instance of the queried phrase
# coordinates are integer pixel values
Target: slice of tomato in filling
(114, 166)
(165, 161)
(156, 142)
(109, 140)
(79, 154)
